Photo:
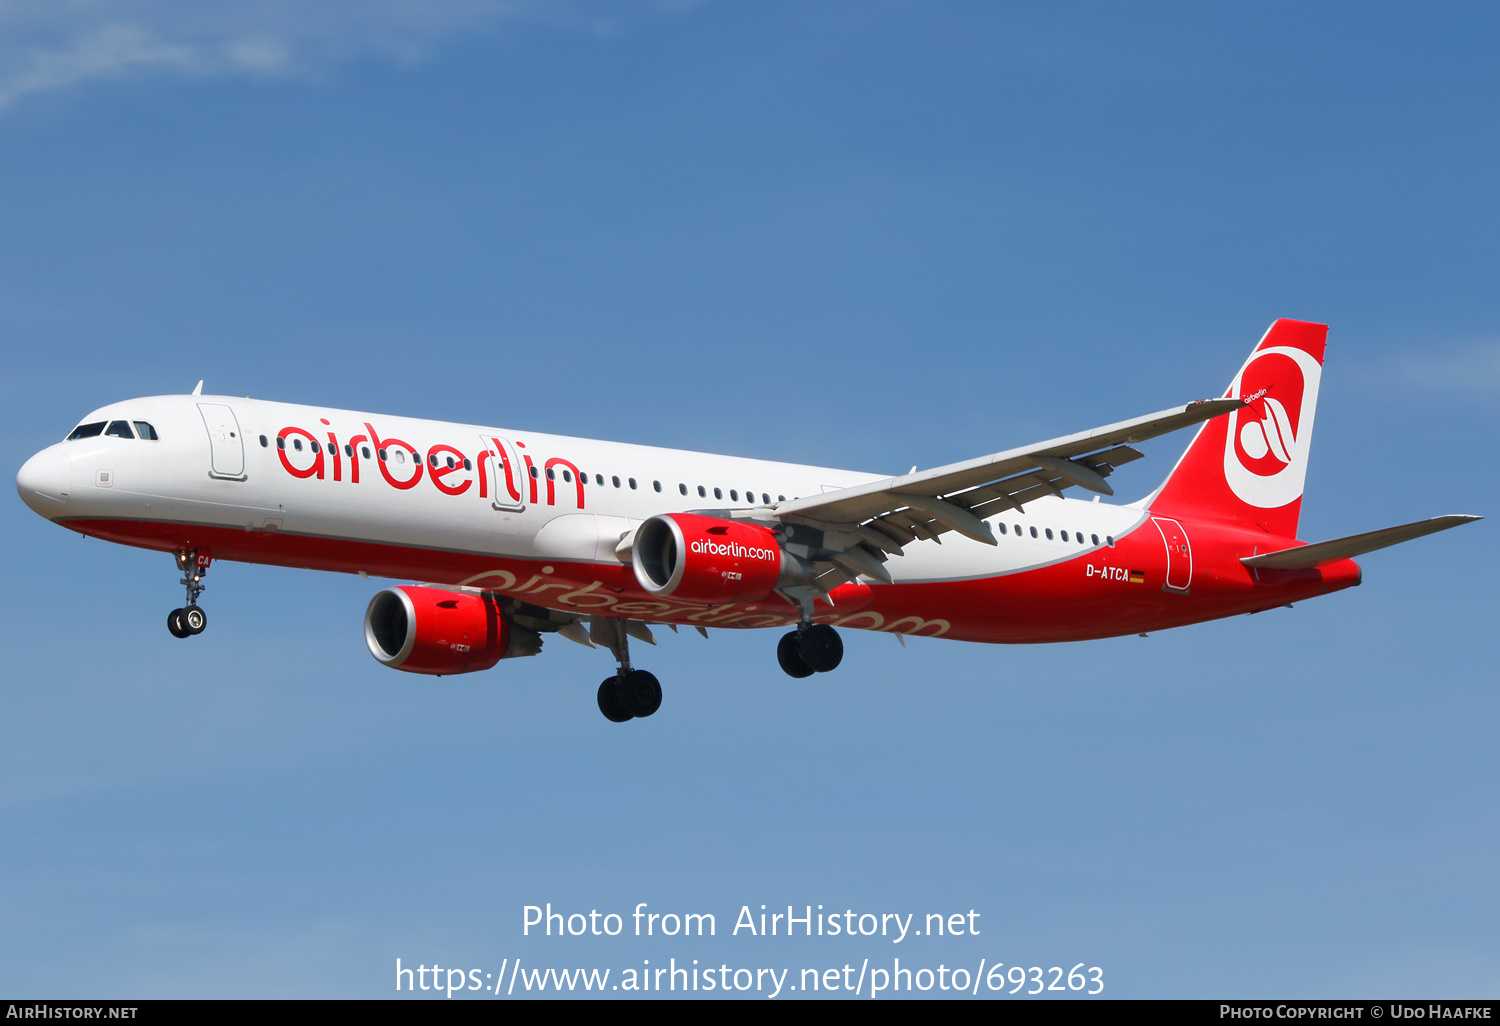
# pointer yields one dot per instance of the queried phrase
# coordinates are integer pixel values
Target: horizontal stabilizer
(1305, 557)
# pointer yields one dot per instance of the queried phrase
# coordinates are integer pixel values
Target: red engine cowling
(693, 558)
(430, 630)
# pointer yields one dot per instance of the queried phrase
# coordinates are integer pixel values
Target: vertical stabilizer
(1248, 467)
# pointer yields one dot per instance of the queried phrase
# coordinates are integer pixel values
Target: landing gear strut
(191, 619)
(630, 693)
(811, 648)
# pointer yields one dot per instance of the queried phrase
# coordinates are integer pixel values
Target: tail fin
(1248, 467)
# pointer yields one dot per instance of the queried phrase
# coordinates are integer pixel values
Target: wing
(863, 525)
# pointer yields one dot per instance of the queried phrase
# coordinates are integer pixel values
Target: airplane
(516, 535)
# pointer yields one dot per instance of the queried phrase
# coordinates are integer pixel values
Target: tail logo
(1265, 455)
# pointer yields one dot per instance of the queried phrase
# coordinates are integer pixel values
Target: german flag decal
(1137, 577)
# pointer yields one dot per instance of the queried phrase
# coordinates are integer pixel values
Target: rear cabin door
(1179, 554)
(225, 442)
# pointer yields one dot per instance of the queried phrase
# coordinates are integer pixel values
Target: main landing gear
(811, 648)
(190, 619)
(630, 693)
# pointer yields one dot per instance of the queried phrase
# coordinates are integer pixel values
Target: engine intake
(695, 558)
(431, 630)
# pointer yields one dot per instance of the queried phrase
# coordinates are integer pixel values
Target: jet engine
(431, 630)
(710, 560)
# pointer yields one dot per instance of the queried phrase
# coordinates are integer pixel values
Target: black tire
(193, 619)
(609, 701)
(821, 648)
(640, 693)
(174, 624)
(791, 659)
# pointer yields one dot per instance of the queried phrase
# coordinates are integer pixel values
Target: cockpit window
(145, 430)
(119, 429)
(87, 430)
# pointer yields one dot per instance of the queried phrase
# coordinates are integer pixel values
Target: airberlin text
(506, 474)
(735, 549)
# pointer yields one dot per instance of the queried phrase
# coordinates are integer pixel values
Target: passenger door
(1179, 554)
(226, 446)
(505, 474)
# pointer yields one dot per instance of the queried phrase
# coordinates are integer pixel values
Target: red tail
(1247, 468)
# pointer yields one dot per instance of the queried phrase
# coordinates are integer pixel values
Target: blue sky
(868, 235)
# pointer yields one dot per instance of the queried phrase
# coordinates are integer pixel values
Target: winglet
(198, 388)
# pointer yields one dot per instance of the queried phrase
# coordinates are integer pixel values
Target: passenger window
(1001, 526)
(781, 498)
(467, 464)
(656, 485)
(316, 448)
(1094, 538)
(382, 456)
(534, 473)
(682, 488)
(1110, 539)
(400, 454)
(632, 483)
(148, 432)
(297, 444)
(119, 429)
(734, 495)
(281, 444)
(551, 474)
(718, 493)
(1049, 534)
(1033, 532)
(86, 431)
(1065, 536)
(451, 465)
(701, 493)
(263, 443)
(615, 481)
(365, 449)
(567, 474)
(765, 498)
(599, 479)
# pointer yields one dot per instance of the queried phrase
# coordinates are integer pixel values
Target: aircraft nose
(45, 480)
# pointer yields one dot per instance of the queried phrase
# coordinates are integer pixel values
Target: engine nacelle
(430, 630)
(694, 558)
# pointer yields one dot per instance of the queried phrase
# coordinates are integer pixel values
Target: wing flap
(1030, 471)
(1305, 557)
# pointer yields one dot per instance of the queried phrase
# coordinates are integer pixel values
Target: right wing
(860, 526)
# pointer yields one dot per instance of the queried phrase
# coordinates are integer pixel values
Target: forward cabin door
(1179, 554)
(226, 445)
(504, 474)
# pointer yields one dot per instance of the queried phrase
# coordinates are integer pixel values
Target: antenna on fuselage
(198, 388)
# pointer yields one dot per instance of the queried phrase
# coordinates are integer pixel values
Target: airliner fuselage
(516, 534)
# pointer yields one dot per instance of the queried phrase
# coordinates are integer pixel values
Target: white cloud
(1474, 368)
(54, 44)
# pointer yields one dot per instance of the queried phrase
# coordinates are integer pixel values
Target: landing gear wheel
(820, 647)
(640, 692)
(790, 658)
(174, 624)
(609, 701)
(193, 619)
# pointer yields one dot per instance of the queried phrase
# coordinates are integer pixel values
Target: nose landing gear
(191, 619)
